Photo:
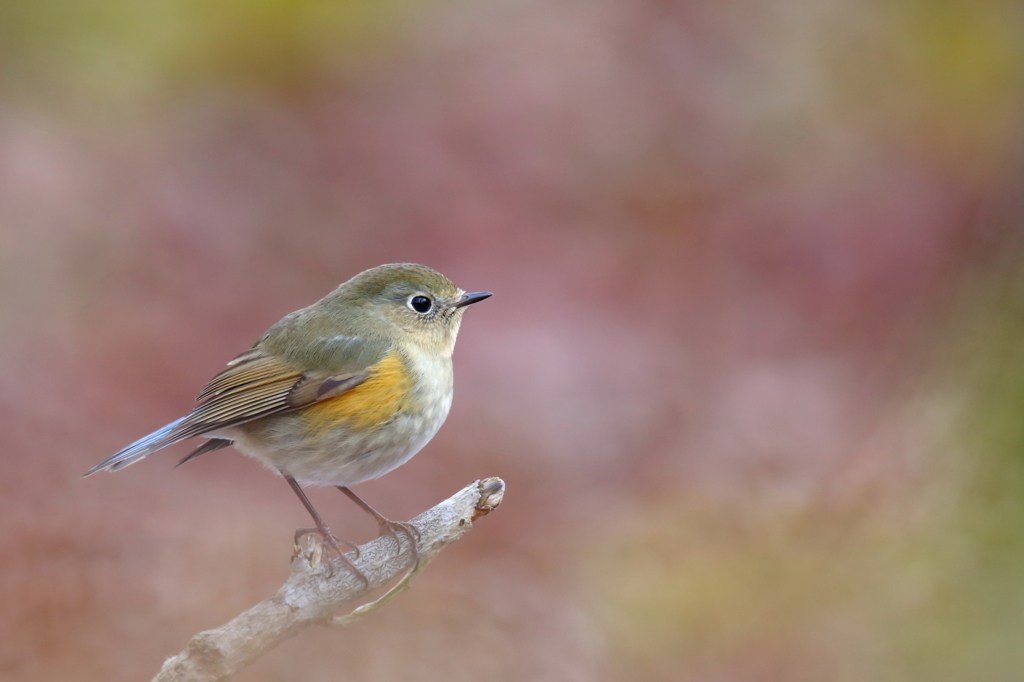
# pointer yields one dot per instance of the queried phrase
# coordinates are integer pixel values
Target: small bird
(337, 393)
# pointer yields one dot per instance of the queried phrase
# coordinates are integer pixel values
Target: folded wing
(256, 384)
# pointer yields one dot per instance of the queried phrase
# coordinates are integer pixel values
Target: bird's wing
(256, 384)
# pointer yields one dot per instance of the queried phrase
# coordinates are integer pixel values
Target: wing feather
(256, 384)
(247, 368)
(259, 383)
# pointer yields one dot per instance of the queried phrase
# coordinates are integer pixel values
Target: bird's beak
(468, 299)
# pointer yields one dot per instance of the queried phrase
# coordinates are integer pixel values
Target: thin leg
(392, 528)
(322, 529)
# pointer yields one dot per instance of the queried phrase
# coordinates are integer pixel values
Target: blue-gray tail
(143, 447)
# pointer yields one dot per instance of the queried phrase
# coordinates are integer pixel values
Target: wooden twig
(315, 591)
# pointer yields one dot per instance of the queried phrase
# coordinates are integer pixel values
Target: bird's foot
(326, 543)
(407, 530)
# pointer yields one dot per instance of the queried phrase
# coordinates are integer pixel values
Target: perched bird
(337, 393)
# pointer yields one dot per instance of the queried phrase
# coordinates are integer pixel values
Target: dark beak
(469, 299)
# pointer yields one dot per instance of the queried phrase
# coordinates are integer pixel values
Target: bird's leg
(387, 526)
(329, 538)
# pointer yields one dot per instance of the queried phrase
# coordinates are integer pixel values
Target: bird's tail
(143, 447)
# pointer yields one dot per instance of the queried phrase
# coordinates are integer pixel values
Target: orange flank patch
(369, 404)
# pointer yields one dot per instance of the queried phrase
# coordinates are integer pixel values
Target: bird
(334, 394)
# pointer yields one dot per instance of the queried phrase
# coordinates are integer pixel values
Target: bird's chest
(430, 394)
(361, 434)
(407, 392)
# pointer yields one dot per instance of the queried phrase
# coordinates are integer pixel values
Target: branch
(315, 590)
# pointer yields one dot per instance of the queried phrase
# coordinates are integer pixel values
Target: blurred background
(753, 372)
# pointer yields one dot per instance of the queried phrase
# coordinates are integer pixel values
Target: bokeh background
(753, 372)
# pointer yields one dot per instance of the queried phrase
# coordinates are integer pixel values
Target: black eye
(420, 304)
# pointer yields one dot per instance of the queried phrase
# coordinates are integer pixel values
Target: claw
(411, 533)
(388, 527)
(327, 545)
(330, 539)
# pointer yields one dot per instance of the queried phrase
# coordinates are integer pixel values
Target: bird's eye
(421, 304)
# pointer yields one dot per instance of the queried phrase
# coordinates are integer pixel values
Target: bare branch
(314, 592)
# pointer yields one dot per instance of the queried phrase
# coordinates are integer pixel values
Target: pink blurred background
(750, 372)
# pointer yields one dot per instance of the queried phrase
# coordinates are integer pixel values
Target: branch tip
(492, 491)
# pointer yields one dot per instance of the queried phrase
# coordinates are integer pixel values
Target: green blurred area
(944, 77)
(121, 50)
(974, 623)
